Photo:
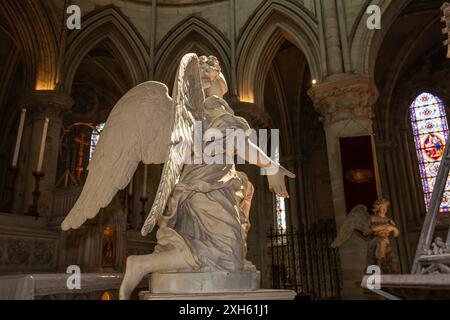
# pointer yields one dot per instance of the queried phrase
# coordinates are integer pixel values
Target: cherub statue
(377, 229)
(201, 209)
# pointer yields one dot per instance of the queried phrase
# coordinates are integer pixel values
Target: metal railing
(302, 260)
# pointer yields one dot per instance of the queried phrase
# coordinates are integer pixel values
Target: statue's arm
(395, 232)
(254, 155)
(275, 172)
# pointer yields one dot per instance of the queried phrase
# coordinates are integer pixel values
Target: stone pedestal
(210, 286)
(204, 282)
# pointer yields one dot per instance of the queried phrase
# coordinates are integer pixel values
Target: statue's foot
(133, 275)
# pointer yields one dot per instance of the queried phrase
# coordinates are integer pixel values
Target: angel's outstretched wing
(138, 129)
(188, 99)
(358, 219)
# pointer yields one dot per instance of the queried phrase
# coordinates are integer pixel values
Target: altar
(53, 286)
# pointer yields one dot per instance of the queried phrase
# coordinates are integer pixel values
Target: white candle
(130, 187)
(42, 149)
(19, 138)
(144, 184)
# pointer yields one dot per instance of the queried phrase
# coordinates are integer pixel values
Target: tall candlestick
(42, 149)
(144, 185)
(19, 138)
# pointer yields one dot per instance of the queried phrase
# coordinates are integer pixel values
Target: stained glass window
(280, 213)
(430, 130)
(95, 135)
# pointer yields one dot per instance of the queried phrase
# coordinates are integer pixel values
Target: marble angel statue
(201, 209)
(377, 229)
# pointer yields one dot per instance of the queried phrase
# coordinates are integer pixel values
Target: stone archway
(194, 34)
(365, 43)
(107, 24)
(274, 22)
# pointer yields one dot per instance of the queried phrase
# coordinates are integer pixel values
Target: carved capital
(349, 98)
(48, 104)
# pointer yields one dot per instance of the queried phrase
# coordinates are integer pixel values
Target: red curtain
(358, 168)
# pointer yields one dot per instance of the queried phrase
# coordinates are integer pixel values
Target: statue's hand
(277, 182)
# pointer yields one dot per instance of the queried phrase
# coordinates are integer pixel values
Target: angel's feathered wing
(145, 125)
(358, 219)
(188, 100)
(138, 129)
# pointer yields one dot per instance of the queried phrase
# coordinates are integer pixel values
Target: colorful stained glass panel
(95, 135)
(425, 99)
(431, 125)
(430, 130)
(427, 112)
(280, 213)
(430, 146)
(429, 169)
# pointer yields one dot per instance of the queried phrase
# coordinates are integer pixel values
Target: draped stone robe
(203, 219)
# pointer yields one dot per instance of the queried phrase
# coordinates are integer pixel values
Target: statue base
(204, 282)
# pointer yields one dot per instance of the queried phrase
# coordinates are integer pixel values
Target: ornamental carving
(18, 252)
(345, 99)
(43, 253)
(50, 104)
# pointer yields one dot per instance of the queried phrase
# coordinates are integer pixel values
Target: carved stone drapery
(349, 98)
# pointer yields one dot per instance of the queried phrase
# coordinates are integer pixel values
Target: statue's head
(380, 207)
(213, 81)
(446, 8)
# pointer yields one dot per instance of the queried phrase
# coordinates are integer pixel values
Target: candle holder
(143, 213)
(9, 188)
(130, 210)
(33, 210)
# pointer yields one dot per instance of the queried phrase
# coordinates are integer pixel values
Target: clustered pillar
(346, 108)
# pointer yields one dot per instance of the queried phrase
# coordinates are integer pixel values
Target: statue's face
(381, 208)
(208, 75)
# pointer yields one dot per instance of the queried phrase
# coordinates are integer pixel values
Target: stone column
(40, 105)
(346, 106)
(332, 37)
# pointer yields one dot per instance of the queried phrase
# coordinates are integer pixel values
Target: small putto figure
(377, 229)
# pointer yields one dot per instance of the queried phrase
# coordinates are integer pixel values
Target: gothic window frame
(95, 135)
(426, 126)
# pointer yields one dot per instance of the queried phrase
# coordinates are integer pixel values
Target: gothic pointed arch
(274, 22)
(109, 24)
(366, 43)
(192, 34)
(35, 28)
